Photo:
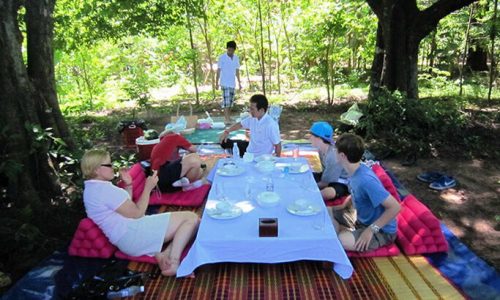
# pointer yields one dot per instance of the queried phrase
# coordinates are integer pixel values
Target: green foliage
(413, 126)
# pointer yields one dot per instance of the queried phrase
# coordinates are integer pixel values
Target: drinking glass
(309, 186)
(295, 151)
(219, 192)
(248, 191)
(270, 184)
(318, 221)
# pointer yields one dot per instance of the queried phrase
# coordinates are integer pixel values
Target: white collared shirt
(102, 199)
(264, 134)
(228, 67)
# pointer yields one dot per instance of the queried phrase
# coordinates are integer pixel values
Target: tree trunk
(466, 47)
(40, 31)
(263, 68)
(195, 60)
(432, 52)
(327, 63)
(269, 43)
(477, 58)
(289, 46)
(204, 30)
(492, 52)
(401, 27)
(243, 58)
(26, 175)
(278, 55)
(396, 54)
(377, 70)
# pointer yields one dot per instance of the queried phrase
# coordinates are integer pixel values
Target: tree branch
(430, 17)
(376, 6)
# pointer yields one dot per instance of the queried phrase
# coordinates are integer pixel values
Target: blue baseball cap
(322, 130)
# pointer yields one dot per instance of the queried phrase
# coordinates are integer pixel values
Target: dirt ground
(471, 210)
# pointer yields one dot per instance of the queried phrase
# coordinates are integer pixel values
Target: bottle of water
(126, 292)
(236, 151)
(270, 185)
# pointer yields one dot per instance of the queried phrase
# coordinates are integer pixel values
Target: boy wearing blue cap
(332, 181)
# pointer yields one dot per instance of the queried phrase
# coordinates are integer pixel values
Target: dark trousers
(242, 145)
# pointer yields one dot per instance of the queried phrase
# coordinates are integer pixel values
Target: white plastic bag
(352, 115)
(178, 126)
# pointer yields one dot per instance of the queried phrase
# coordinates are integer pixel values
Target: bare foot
(163, 261)
(172, 268)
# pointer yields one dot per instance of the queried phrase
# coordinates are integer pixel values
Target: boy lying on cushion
(176, 173)
(373, 222)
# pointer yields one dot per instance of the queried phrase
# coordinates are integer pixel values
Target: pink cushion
(194, 198)
(336, 202)
(386, 181)
(419, 231)
(90, 241)
(146, 258)
(387, 250)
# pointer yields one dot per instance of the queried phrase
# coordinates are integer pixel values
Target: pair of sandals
(437, 181)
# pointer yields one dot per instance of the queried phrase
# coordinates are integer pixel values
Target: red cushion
(90, 241)
(419, 231)
(387, 250)
(336, 202)
(193, 198)
(386, 181)
(146, 258)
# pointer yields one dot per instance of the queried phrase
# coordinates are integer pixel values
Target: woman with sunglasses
(124, 222)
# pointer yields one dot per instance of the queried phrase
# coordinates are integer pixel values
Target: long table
(237, 240)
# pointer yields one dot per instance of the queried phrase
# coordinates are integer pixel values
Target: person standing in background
(228, 67)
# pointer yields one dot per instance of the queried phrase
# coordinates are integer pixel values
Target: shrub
(413, 125)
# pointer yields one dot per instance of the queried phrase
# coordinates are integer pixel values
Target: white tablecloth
(237, 240)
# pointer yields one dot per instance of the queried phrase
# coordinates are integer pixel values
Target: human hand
(364, 240)
(151, 181)
(125, 176)
(223, 136)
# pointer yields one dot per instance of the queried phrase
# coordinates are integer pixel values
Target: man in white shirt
(264, 131)
(228, 67)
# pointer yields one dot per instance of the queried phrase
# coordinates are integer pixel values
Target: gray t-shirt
(332, 170)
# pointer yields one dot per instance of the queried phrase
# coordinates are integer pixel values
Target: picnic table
(236, 239)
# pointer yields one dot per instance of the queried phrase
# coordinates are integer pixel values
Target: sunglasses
(107, 165)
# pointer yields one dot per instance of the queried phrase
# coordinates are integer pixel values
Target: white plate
(298, 170)
(268, 199)
(310, 210)
(264, 157)
(234, 212)
(230, 172)
(265, 166)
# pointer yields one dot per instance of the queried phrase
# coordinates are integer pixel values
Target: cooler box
(131, 130)
(144, 147)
